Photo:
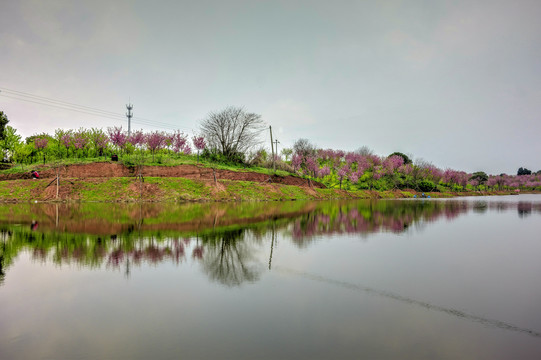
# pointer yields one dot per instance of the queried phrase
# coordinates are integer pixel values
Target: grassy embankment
(175, 189)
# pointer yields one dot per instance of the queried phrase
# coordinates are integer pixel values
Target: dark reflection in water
(226, 258)
(525, 208)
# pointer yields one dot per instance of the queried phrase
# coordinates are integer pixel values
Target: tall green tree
(3, 122)
(9, 142)
(406, 158)
(524, 171)
(480, 176)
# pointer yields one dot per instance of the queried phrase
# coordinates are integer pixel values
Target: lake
(389, 279)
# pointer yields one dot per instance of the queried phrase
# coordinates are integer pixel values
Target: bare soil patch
(110, 169)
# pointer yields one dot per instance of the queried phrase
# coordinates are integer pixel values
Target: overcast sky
(456, 83)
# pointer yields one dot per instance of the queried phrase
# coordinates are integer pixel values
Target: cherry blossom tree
(178, 141)
(199, 143)
(342, 172)
(354, 177)
(137, 138)
(41, 143)
(80, 140)
(312, 166)
(99, 139)
(296, 162)
(66, 139)
(324, 171)
(155, 141)
(118, 137)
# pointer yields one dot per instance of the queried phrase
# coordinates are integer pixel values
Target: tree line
(233, 136)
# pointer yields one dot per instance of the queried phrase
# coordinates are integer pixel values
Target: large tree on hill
(406, 158)
(9, 142)
(232, 131)
(480, 176)
(3, 122)
(524, 171)
(304, 147)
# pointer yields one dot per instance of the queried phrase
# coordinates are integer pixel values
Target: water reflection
(374, 217)
(228, 259)
(334, 298)
(221, 237)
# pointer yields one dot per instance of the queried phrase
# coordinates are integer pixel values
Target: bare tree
(232, 131)
(304, 147)
(364, 151)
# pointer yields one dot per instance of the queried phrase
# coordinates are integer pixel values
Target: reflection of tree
(226, 258)
(372, 217)
(226, 252)
(2, 273)
(7, 253)
(225, 255)
(480, 207)
(524, 209)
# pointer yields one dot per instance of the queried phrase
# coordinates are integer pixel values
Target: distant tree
(354, 177)
(407, 160)
(118, 137)
(324, 171)
(41, 143)
(99, 139)
(3, 123)
(199, 143)
(9, 142)
(155, 141)
(304, 148)
(524, 171)
(364, 151)
(342, 172)
(67, 140)
(137, 138)
(22, 152)
(232, 131)
(312, 166)
(179, 141)
(480, 177)
(286, 152)
(296, 162)
(81, 140)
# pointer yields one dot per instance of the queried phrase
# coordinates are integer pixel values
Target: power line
(60, 107)
(64, 105)
(60, 102)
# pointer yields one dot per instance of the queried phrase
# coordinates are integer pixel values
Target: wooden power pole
(272, 149)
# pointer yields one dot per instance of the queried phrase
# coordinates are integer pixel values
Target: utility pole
(272, 149)
(276, 142)
(129, 115)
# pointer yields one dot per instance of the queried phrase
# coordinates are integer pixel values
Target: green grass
(18, 189)
(126, 189)
(112, 188)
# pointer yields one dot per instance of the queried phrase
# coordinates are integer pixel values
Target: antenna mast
(129, 115)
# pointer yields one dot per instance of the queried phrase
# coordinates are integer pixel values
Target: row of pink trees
(365, 170)
(86, 142)
(176, 142)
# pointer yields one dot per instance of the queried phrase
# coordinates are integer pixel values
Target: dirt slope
(110, 169)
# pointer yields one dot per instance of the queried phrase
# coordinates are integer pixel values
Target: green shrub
(426, 185)
(216, 156)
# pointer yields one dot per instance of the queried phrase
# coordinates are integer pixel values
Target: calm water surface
(410, 279)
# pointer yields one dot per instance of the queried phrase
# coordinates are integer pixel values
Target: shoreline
(180, 189)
